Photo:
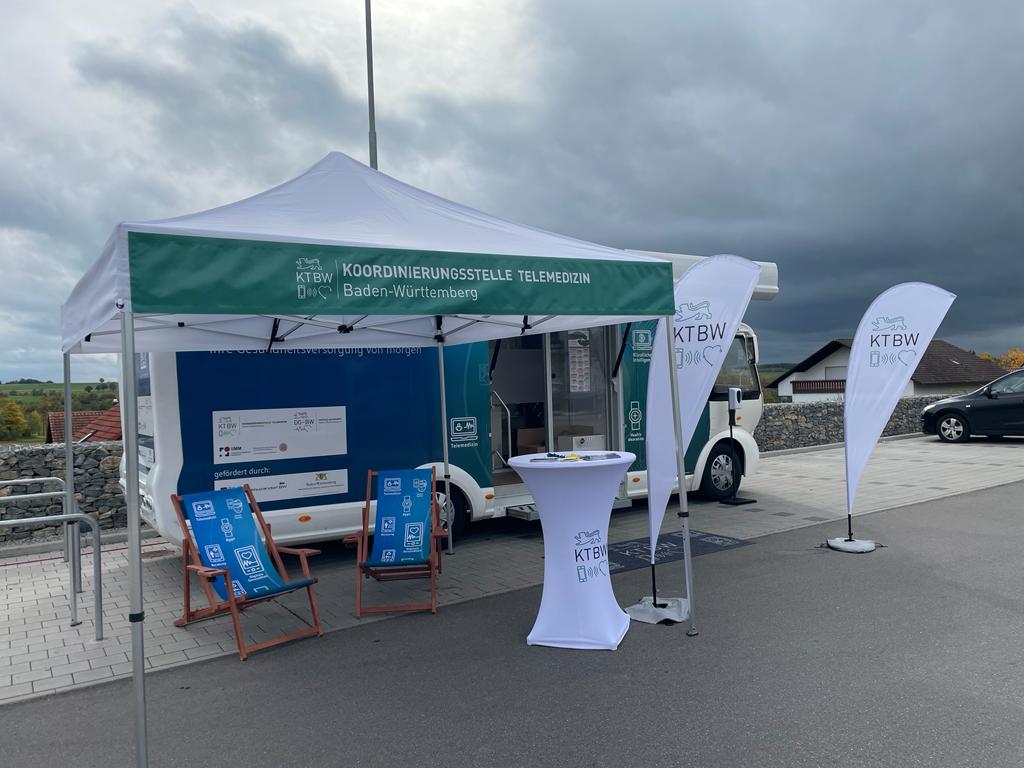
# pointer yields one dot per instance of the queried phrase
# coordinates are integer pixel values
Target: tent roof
(221, 277)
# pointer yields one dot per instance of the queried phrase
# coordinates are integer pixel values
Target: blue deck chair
(226, 540)
(407, 536)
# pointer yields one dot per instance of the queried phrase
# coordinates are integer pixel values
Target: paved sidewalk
(41, 653)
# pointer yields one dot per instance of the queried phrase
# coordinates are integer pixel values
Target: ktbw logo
(699, 340)
(590, 555)
(312, 281)
(891, 343)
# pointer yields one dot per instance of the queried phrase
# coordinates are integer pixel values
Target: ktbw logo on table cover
(590, 556)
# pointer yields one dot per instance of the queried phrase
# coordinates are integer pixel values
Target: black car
(995, 410)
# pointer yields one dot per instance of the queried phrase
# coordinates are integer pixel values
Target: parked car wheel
(720, 475)
(458, 508)
(953, 428)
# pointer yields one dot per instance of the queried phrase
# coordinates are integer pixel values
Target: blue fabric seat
(225, 539)
(406, 535)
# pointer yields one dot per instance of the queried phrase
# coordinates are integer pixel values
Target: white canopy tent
(345, 256)
(341, 256)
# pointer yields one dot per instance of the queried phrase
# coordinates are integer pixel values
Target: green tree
(13, 423)
(36, 424)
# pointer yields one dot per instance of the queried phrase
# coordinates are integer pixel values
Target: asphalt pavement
(909, 656)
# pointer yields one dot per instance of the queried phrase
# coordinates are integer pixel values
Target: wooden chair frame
(427, 570)
(191, 563)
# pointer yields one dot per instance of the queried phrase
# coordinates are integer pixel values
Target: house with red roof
(86, 426)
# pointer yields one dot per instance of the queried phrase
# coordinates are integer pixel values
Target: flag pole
(369, 88)
(684, 512)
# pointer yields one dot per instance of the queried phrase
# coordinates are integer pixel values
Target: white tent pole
(136, 615)
(449, 505)
(684, 512)
(72, 543)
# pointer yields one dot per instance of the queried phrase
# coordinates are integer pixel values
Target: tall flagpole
(369, 88)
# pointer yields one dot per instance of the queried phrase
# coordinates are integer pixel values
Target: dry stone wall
(96, 486)
(799, 425)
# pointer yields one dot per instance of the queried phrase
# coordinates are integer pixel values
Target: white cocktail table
(574, 498)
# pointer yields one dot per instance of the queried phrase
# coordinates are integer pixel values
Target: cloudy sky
(856, 144)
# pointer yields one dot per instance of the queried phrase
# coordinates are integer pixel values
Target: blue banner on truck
(303, 427)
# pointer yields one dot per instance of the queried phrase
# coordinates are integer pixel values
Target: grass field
(22, 393)
(36, 399)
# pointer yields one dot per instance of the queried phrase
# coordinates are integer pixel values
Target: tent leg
(72, 536)
(449, 505)
(684, 511)
(136, 615)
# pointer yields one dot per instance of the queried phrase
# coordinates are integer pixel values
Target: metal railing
(508, 416)
(72, 519)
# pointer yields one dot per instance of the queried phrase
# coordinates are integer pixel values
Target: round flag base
(671, 609)
(857, 546)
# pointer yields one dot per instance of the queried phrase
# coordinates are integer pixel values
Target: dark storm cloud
(857, 145)
(198, 112)
(231, 95)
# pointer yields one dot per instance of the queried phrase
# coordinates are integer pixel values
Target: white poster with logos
(710, 299)
(890, 341)
(266, 434)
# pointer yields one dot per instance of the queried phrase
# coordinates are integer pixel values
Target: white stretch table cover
(574, 498)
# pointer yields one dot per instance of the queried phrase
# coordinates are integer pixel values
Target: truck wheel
(459, 510)
(720, 476)
(953, 428)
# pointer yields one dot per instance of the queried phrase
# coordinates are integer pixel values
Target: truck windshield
(738, 370)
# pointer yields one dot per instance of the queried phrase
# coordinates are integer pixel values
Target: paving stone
(15, 691)
(51, 683)
(91, 675)
(31, 676)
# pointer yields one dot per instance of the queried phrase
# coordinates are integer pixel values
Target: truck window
(738, 370)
